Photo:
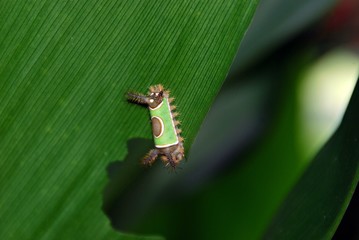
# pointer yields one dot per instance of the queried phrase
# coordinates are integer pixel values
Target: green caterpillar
(166, 133)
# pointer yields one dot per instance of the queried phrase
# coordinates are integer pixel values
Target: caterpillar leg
(178, 153)
(150, 157)
(170, 161)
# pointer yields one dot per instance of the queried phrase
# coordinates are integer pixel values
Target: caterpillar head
(155, 96)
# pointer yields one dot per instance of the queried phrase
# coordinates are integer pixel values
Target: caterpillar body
(165, 127)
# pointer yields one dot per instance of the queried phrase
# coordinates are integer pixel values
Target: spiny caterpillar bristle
(168, 142)
(150, 157)
(175, 114)
(136, 97)
(156, 88)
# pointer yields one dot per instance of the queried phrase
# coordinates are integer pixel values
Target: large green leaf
(64, 69)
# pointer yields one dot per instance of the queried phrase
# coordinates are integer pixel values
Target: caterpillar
(165, 128)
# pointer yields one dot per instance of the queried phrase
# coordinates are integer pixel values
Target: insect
(165, 127)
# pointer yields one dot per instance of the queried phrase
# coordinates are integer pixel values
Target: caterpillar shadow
(133, 188)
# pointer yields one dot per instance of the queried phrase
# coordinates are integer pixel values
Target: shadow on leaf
(133, 189)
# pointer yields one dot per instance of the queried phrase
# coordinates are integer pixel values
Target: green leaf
(64, 69)
(315, 206)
